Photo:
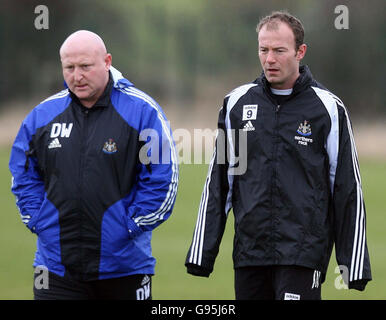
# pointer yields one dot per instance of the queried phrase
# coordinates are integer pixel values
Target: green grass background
(171, 241)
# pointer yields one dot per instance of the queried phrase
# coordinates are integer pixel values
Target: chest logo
(305, 131)
(54, 144)
(248, 126)
(110, 147)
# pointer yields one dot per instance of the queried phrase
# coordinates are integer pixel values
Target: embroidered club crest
(110, 146)
(304, 129)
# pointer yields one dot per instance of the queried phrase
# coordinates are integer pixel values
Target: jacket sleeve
(157, 179)
(349, 209)
(213, 209)
(27, 183)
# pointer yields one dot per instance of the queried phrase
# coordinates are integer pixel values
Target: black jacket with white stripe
(291, 174)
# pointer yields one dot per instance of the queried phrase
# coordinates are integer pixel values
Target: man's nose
(270, 57)
(78, 75)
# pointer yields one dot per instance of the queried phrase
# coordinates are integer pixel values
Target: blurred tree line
(181, 50)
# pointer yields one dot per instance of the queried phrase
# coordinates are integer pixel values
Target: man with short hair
(94, 172)
(301, 191)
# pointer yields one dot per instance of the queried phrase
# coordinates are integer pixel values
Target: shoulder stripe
(332, 143)
(357, 258)
(199, 231)
(159, 214)
(356, 270)
(196, 249)
(234, 97)
(59, 95)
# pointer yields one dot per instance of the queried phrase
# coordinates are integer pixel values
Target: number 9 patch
(249, 112)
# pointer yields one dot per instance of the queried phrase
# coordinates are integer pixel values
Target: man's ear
(108, 61)
(301, 52)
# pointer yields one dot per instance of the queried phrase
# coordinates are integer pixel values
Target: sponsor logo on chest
(304, 131)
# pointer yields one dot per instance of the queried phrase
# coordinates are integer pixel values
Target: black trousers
(277, 283)
(49, 286)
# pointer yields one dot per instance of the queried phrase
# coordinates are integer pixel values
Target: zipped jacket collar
(304, 80)
(103, 100)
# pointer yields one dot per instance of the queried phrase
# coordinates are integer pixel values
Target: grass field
(172, 239)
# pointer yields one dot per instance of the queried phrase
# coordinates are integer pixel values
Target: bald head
(86, 65)
(83, 39)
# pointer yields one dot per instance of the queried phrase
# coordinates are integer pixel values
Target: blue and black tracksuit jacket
(93, 183)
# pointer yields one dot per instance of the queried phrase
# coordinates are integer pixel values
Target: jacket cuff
(31, 228)
(197, 270)
(133, 229)
(31, 225)
(358, 284)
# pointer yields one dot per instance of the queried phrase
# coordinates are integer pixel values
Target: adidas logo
(145, 280)
(248, 126)
(54, 144)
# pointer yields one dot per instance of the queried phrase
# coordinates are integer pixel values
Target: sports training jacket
(299, 191)
(81, 187)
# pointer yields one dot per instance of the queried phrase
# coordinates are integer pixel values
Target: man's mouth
(80, 86)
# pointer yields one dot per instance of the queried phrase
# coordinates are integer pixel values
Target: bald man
(94, 171)
(85, 64)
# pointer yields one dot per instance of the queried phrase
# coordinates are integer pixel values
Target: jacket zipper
(81, 182)
(274, 185)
